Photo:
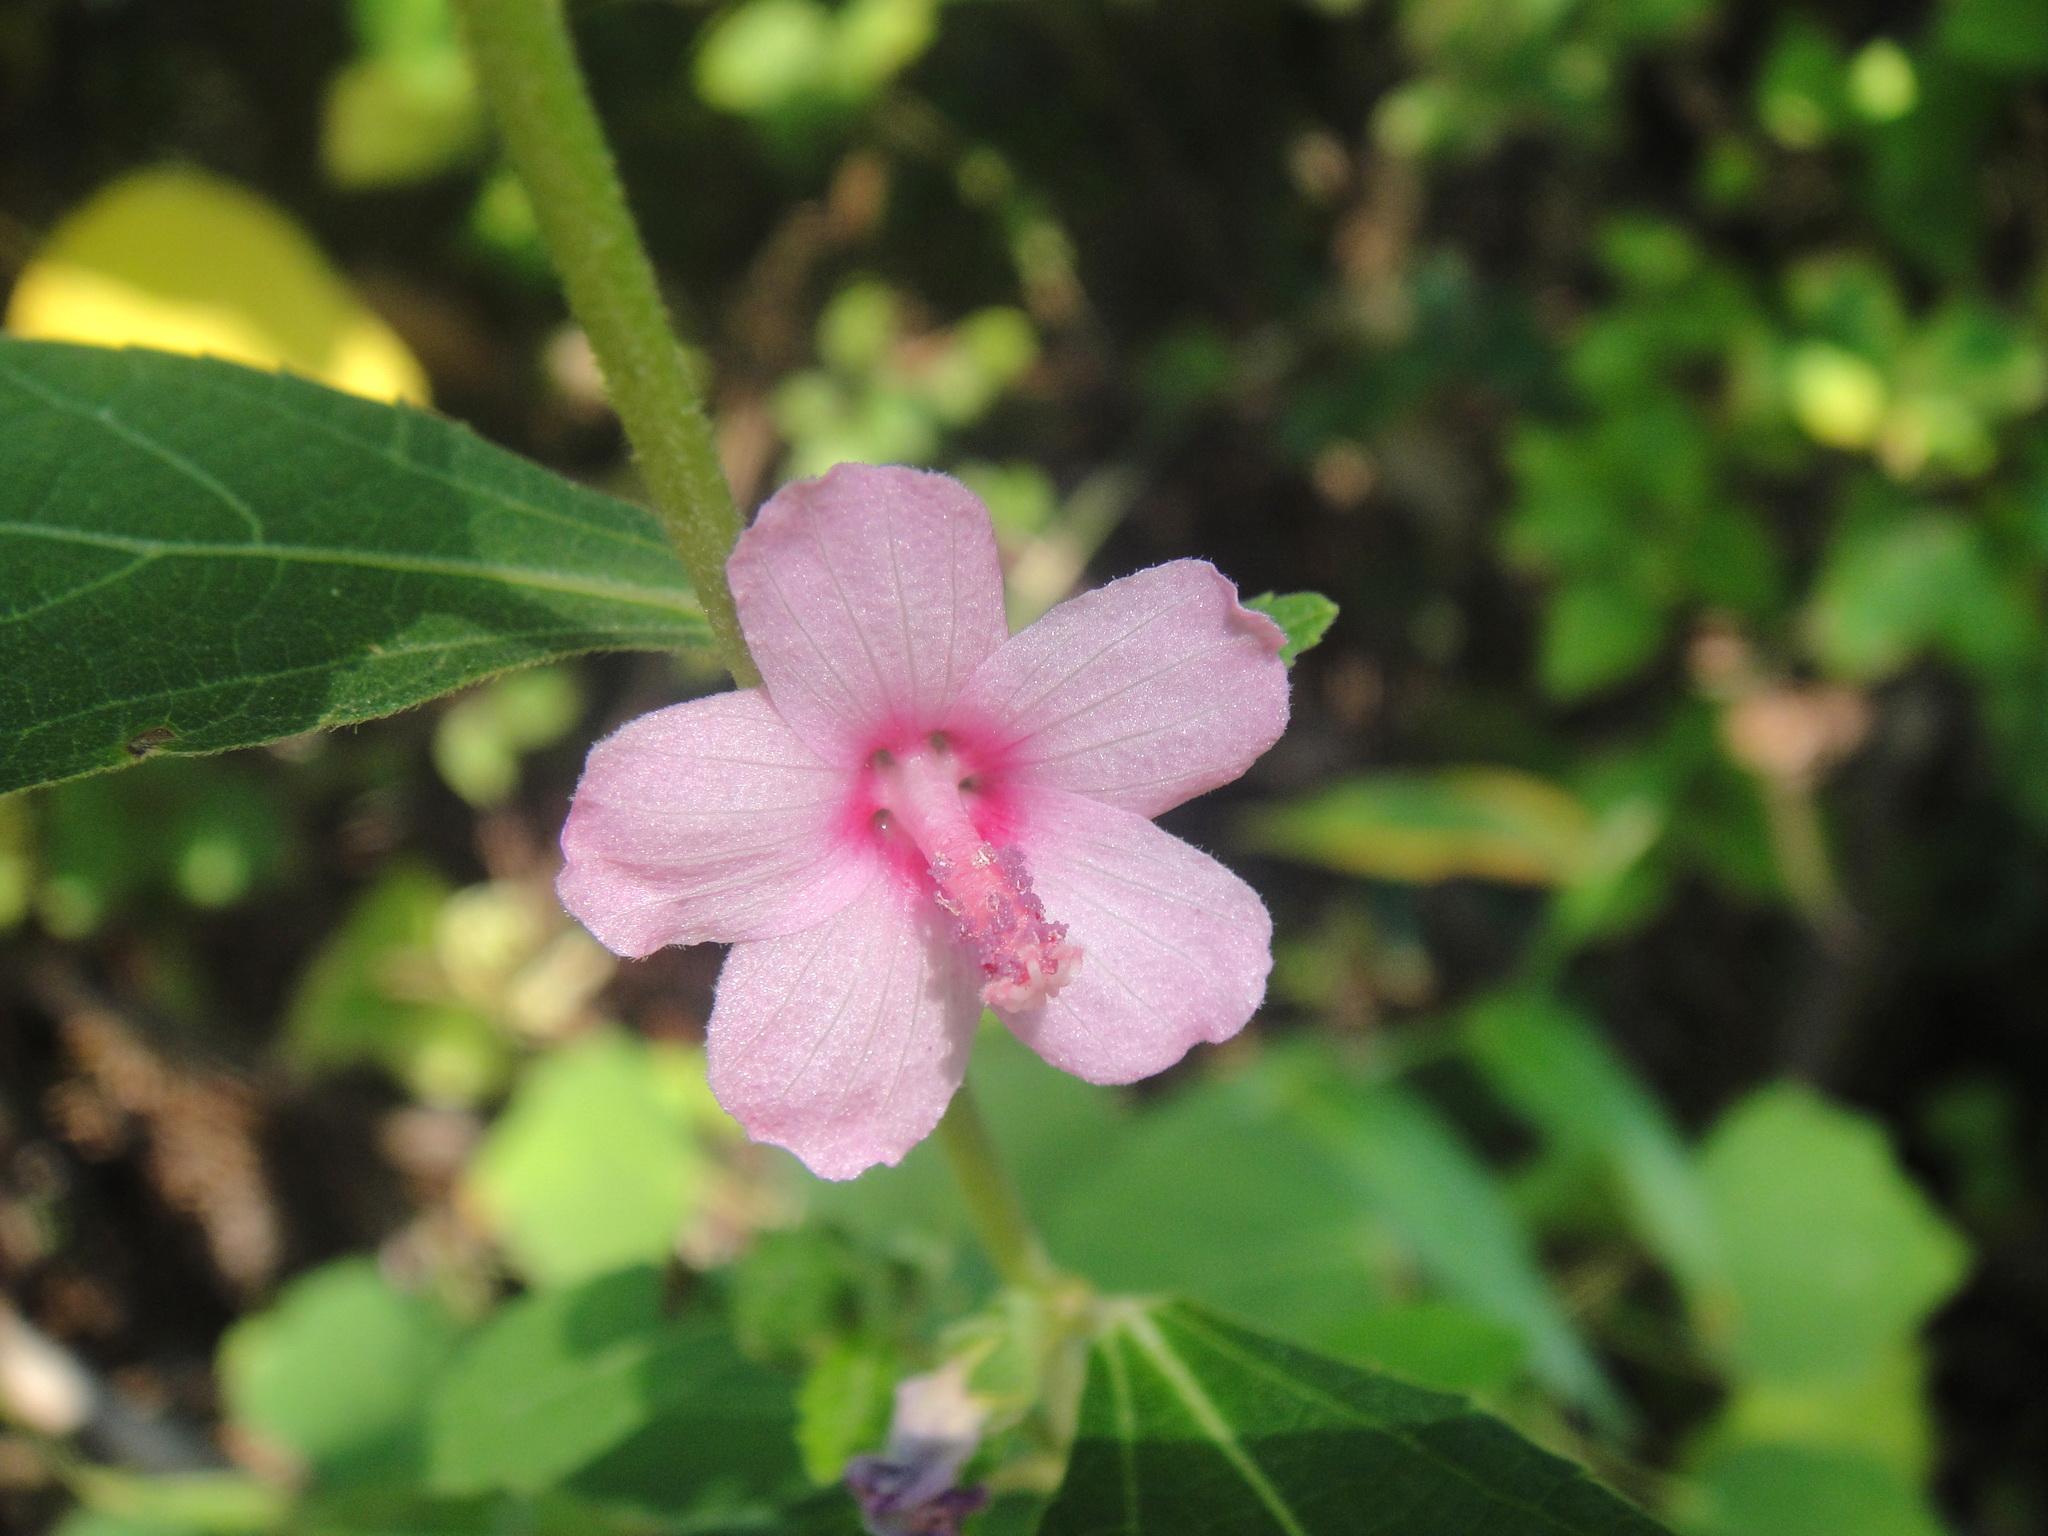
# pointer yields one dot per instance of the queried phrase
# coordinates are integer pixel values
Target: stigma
(924, 797)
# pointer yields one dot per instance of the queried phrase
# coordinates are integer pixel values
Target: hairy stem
(526, 64)
(991, 1200)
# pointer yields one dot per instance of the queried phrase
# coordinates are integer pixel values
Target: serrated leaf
(1191, 1423)
(595, 1389)
(1306, 616)
(196, 556)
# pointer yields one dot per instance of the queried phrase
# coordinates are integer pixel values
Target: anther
(983, 889)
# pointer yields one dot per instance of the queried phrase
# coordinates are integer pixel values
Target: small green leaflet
(1306, 616)
(1190, 1423)
(196, 556)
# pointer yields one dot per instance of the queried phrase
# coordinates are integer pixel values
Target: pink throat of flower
(923, 795)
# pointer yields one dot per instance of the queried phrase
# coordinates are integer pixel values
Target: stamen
(984, 890)
(999, 920)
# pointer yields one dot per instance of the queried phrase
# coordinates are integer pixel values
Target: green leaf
(592, 1166)
(399, 1510)
(1880, 1413)
(765, 56)
(2005, 36)
(1210, 1174)
(479, 740)
(375, 993)
(196, 556)
(1550, 1062)
(1306, 616)
(1418, 1177)
(110, 845)
(1441, 1344)
(1190, 1423)
(1597, 633)
(1319, 1177)
(389, 121)
(596, 1389)
(1800, 92)
(843, 1406)
(1456, 823)
(115, 1503)
(1784, 1490)
(1833, 1256)
(337, 1371)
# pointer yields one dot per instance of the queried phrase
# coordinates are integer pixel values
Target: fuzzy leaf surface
(196, 556)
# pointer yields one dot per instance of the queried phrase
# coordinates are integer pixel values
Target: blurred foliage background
(1660, 851)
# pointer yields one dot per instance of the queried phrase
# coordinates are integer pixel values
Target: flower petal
(845, 1043)
(1143, 693)
(706, 821)
(868, 597)
(1175, 949)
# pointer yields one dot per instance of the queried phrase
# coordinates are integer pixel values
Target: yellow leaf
(185, 262)
(1455, 823)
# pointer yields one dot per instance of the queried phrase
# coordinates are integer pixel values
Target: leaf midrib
(1208, 1418)
(1340, 1409)
(524, 577)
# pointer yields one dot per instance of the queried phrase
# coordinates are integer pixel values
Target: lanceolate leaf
(1192, 1424)
(196, 556)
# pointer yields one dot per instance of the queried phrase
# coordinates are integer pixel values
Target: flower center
(923, 796)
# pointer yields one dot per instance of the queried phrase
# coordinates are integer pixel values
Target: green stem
(526, 64)
(991, 1200)
(1800, 840)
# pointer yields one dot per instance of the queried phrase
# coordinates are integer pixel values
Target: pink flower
(920, 814)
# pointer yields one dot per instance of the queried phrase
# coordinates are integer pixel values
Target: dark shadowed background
(1659, 852)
